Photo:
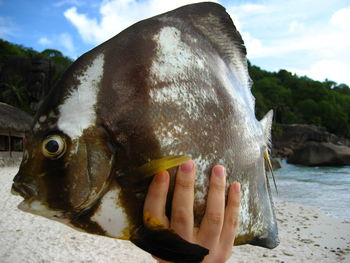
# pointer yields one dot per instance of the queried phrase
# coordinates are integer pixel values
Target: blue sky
(307, 37)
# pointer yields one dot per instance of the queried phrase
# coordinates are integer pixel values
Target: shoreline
(306, 235)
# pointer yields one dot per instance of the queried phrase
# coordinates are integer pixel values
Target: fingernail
(187, 167)
(219, 170)
(161, 177)
(237, 187)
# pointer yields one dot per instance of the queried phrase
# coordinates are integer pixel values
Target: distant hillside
(26, 76)
(302, 100)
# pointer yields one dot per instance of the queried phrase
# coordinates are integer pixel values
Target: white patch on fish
(180, 96)
(78, 110)
(248, 129)
(202, 163)
(173, 61)
(170, 70)
(38, 208)
(110, 216)
(237, 90)
(175, 58)
(258, 227)
(244, 210)
(202, 180)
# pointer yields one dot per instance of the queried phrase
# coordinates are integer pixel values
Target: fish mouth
(37, 207)
(24, 190)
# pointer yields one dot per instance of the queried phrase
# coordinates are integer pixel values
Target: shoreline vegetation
(306, 234)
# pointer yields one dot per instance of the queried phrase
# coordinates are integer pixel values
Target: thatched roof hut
(13, 120)
(13, 125)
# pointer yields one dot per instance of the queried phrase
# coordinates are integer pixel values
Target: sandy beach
(306, 234)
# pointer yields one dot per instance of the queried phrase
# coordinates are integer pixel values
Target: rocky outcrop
(310, 145)
(275, 164)
(320, 154)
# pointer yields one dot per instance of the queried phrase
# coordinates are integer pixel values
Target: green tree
(309, 111)
(14, 92)
(334, 118)
(57, 57)
(275, 96)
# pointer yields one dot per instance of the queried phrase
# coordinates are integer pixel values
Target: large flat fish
(169, 87)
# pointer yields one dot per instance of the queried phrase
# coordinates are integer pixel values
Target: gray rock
(310, 145)
(275, 164)
(320, 154)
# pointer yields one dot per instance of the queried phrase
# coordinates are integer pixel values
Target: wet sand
(306, 234)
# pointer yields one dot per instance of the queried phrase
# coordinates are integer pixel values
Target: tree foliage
(26, 75)
(297, 99)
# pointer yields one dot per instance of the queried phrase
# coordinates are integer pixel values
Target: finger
(210, 228)
(156, 197)
(231, 220)
(182, 205)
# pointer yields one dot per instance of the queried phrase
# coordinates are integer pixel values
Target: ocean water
(327, 188)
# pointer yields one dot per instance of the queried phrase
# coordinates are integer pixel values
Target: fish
(165, 90)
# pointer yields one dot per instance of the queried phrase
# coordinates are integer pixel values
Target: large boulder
(320, 154)
(288, 137)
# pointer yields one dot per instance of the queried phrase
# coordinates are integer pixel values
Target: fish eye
(54, 147)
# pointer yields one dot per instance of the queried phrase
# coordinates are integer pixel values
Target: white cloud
(296, 34)
(321, 43)
(341, 18)
(67, 42)
(7, 28)
(44, 41)
(116, 15)
(296, 26)
(273, 30)
(294, 31)
(253, 45)
(68, 2)
(254, 8)
(87, 28)
(326, 69)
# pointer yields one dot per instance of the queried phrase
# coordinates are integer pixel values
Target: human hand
(219, 225)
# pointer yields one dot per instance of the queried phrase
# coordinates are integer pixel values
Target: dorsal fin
(215, 24)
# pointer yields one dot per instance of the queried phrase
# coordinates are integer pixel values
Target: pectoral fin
(164, 243)
(137, 178)
(162, 164)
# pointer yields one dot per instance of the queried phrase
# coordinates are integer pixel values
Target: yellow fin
(157, 165)
(269, 165)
